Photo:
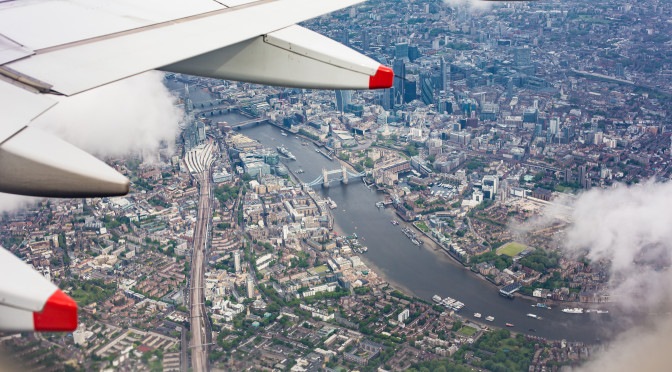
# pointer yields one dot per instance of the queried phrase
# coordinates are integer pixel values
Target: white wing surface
(64, 47)
(29, 302)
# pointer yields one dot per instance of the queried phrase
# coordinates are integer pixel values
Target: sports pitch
(511, 249)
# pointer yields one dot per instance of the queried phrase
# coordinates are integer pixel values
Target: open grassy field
(320, 269)
(467, 331)
(422, 226)
(511, 249)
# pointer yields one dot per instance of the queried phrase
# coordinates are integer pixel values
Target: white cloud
(471, 4)
(645, 348)
(630, 227)
(132, 116)
(135, 116)
(10, 203)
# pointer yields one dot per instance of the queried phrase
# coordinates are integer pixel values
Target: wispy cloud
(643, 348)
(630, 227)
(135, 116)
(471, 4)
(10, 202)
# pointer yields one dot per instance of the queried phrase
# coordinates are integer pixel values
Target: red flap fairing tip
(383, 78)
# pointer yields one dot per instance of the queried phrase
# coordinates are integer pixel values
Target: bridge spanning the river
(327, 176)
(217, 110)
(249, 122)
(225, 109)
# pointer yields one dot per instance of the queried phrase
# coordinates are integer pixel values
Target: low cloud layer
(133, 117)
(630, 227)
(10, 202)
(471, 4)
(643, 348)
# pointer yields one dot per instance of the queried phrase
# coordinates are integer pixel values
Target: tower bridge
(327, 176)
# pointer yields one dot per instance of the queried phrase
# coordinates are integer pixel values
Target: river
(423, 271)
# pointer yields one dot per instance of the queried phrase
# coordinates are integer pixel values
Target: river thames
(422, 271)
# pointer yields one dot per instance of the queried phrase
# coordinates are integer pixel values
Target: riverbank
(438, 251)
(438, 248)
(417, 270)
(398, 286)
(379, 271)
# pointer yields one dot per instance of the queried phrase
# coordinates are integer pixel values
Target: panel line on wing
(146, 28)
(10, 50)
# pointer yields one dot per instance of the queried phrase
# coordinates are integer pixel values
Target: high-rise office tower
(426, 90)
(401, 50)
(345, 37)
(413, 53)
(343, 98)
(388, 99)
(554, 126)
(582, 174)
(410, 93)
(399, 75)
(521, 56)
(365, 41)
(236, 261)
(445, 74)
(250, 287)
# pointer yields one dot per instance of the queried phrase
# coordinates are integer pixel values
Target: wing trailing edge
(293, 57)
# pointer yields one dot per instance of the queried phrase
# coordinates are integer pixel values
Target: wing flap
(35, 163)
(26, 106)
(312, 45)
(59, 314)
(232, 3)
(28, 290)
(11, 51)
(295, 57)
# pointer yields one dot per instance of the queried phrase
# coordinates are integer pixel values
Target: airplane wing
(29, 302)
(64, 47)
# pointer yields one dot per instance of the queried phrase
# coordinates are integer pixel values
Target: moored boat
(283, 151)
(575, 310)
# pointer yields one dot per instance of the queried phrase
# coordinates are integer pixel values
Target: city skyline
(509, 134)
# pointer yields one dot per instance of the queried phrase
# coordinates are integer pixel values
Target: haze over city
(504, 206)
